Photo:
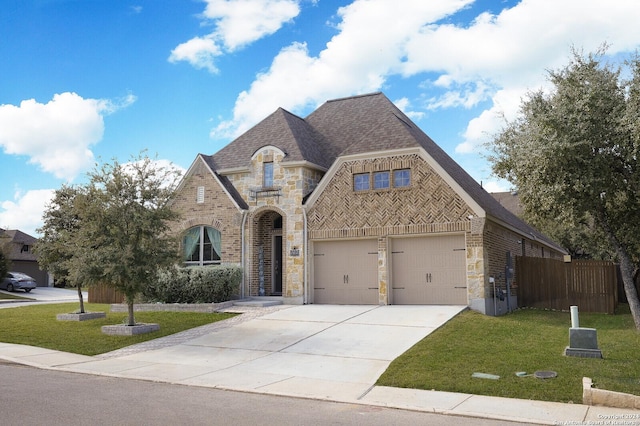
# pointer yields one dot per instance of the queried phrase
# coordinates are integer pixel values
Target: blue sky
(85, 81)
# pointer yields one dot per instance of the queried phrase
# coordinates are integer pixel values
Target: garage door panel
(429, 270)
(345, 272)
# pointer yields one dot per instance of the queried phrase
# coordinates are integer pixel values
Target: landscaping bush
(198, 284)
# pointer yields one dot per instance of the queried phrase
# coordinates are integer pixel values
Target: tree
(115, 229)
(60, 245)
(5, 250)
(572, 153)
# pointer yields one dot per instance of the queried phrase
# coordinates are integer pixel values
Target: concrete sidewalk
(325, 352)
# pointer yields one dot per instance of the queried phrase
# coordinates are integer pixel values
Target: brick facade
(429, 206)
(217, 210)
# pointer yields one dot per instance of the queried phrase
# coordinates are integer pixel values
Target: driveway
(332, 352)
(42, 295)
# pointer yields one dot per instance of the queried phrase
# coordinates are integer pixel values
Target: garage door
(345, 272)
(429, 270)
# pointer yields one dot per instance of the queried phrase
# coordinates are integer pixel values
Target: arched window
(202, 246)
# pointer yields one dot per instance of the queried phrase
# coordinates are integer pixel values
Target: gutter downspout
(305, 282)
(242, 252)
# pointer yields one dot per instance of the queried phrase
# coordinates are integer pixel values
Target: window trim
(372, 182)
(201, 248)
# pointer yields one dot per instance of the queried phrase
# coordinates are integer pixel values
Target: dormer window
(267, 181)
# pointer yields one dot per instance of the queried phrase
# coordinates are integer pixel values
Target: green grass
(11, 296)
(37, 325)
(525, 340)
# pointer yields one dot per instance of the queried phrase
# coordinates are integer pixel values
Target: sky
(84, 82)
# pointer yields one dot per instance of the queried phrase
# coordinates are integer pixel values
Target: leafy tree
(115, 229)
(5, 249)
(573, 155)
(60, 245)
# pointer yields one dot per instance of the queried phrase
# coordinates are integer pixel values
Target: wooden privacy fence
(591, 285)
(102, 293)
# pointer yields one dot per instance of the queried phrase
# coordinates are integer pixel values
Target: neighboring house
(353, 204)
(21, 255)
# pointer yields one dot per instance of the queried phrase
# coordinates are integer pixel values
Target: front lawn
(36, 325)
(526, 340)
(5, 295)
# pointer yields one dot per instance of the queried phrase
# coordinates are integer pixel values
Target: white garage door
(429, 270)
(345, 272)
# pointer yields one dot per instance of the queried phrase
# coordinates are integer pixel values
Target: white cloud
(237, 24)
(199, 52)
(496, 186)
(493, 60)
(358, 59)
(25, 211)
(58, 135)
(404, 104)
(173, 171)
(512, 50)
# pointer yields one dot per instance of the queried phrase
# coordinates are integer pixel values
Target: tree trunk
(627, 271)
(132, 320)
(81, 299)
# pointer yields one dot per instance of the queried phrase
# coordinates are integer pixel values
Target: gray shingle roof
(282, 129)
(18, 240)
(355, 125)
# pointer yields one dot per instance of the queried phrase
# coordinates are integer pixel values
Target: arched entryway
(268, 272)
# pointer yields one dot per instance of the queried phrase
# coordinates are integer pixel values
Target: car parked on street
(18, 280)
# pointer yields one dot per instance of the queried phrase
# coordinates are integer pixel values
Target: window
(268, 175)
(202, 246)
(361, 182)
(381, 180)
(401, 178)
(200, 195)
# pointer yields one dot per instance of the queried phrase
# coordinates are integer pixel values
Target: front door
(277, 265)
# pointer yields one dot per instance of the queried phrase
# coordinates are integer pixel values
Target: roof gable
(372, 123)
(281, 129)
(205, 161)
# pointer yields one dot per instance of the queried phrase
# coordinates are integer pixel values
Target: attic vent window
(200, 195)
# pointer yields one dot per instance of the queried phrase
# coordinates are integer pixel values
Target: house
(353, 204)
(21, 256)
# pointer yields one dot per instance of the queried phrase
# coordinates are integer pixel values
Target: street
(30, 396)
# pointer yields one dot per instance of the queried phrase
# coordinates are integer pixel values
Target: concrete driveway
(332, 352)
(42, 295)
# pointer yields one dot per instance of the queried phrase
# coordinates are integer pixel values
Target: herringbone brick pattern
(428, 205)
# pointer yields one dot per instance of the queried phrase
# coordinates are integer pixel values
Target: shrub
(197, 284)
